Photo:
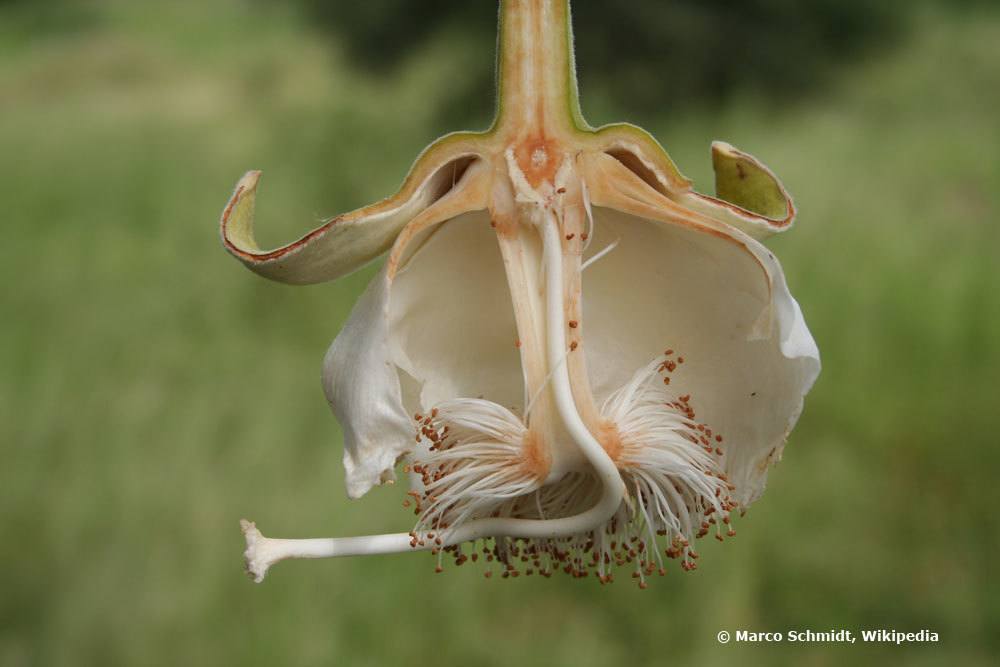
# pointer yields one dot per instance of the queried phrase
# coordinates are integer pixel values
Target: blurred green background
(152, 391)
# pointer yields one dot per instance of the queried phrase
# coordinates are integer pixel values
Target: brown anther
(573, 346)
(584, 236)
(569, 237)
(666, 380)
(680, 360)
(487, 574)
(493, 223)
(517, 343)
(573, 324)
(561, 191)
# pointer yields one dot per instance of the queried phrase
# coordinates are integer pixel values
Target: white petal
(363, 389)
(442, 328)
(452, 319)
(748, 357)
(369, 378)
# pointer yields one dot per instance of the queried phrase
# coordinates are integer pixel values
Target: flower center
(562, 460)
(479, 460)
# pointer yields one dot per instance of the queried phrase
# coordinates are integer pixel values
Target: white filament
(611, 246)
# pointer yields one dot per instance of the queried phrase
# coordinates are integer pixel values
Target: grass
(152, 392)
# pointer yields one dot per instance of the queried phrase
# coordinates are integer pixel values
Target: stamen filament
(611, 246)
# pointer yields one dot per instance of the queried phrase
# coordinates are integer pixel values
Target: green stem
(536, 72)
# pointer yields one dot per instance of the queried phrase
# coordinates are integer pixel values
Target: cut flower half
(580, 362)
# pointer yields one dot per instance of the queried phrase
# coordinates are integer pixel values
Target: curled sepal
(748, 194)
(344, 243)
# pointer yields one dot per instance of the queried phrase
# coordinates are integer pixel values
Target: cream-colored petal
(452, 320)
(363, 389)
(437, 328)
(369, 392)
(670, 287)
(344, 243)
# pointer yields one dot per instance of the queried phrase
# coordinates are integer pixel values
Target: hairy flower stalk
(560, 335)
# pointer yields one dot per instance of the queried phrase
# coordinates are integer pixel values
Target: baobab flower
(581, 362)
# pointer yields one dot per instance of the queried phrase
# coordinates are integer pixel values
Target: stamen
(585, 195)
(611, 246)
(670, 462)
